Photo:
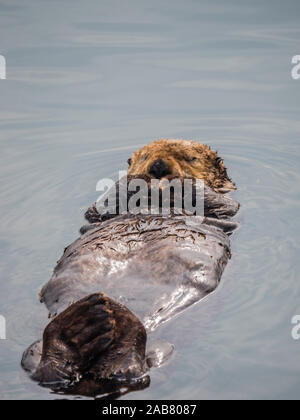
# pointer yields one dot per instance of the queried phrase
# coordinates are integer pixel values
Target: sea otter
(128, 273)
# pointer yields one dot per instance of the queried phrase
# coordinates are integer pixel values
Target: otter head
(184, 158)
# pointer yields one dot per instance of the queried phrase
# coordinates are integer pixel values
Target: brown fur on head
(185, 158)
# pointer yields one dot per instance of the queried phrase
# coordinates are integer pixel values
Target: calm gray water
(90, 82)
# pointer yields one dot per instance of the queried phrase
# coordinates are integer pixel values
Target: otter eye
(129, 161)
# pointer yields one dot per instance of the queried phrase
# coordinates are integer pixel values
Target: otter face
(184, 158)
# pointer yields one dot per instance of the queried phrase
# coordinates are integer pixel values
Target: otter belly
(142, 262)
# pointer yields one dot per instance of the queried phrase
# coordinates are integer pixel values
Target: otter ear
(129, 161)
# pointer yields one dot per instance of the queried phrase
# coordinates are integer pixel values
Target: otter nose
(159, 169)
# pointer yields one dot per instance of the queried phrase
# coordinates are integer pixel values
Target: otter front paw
(75, 338)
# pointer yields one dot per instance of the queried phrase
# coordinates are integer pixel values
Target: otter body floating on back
(152, 267)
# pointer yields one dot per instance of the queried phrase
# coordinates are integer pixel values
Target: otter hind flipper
(95, 337)
(75, 338)
(87, 326)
